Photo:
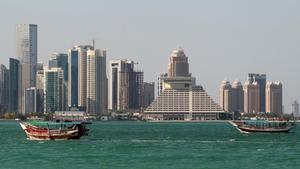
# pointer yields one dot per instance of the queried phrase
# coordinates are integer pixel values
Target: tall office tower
(148, 94)
(180, 98)
(261, 80)
(136, 89)
(178, 64)
(60, 60)
(251, 97)
(40, 91)
(54, 90)
(237, 96)
(295, 109)
(274, 97)
(14, 74)
(225, 96)
(27, 42)
(96, 82)
(77, 85)
(73, 58)
(4, 88)
(124, 85)
(31, 100)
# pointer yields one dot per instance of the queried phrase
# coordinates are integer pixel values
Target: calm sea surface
(143, 145)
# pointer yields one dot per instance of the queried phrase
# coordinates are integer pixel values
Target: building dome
(178, 53)
(247, 82)
(225, 83)
(236, 83)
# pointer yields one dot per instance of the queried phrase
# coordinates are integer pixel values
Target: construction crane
(94, 42)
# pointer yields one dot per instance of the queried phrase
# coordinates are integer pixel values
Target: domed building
(251, 97)
(274, 97)
(179, 96)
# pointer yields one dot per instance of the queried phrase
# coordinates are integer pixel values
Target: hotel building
(274, 97)
(180, 98)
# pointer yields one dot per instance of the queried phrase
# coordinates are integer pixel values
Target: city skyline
(248, 42)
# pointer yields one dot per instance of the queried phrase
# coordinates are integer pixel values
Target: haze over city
(223, 39)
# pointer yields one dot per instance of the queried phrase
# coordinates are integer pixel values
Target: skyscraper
(261, 80)
(225, 96)
(40, 84)
(295, 109)
(178, 64)
(125, 86)
(73, 78)
(148, 95)
(237, 101)
(54, 90)
(4, 88)
(251, 97)
(27, 49)
(31, 100)
(274, 97)
(14, 85)
(77, 89)
(180, 98)
(96, 82)
(60, 60)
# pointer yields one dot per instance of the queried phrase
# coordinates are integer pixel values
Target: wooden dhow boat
(45, 130)
(262, 125)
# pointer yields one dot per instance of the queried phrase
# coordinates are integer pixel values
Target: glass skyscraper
(73, 78)
(54, 90)
(14, 71)
(27, 42)
(60, 60)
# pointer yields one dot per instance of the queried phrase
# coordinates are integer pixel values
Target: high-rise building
(178, 64)
(180, 98)
(237, 100)
(225, 96)
(60, 60)
(96, 82)
(14, 84)
(148, 94)
(274, 97)
(251, 97)
(295, 109)
(261, 80)
(54, 90)
(73, 78)
(27, 51)
(4, 88)
(125, 86)
(77, 85)
(31, 100)
(40, 90)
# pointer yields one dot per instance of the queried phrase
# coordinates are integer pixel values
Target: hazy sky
(225, 38)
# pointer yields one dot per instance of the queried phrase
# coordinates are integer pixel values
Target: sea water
(141, 145)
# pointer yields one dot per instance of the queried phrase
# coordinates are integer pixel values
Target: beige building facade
(251, 97)
(274, 97)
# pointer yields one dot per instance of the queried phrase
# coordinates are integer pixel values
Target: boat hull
(239, 125)
(268, 130)
(36, 133)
